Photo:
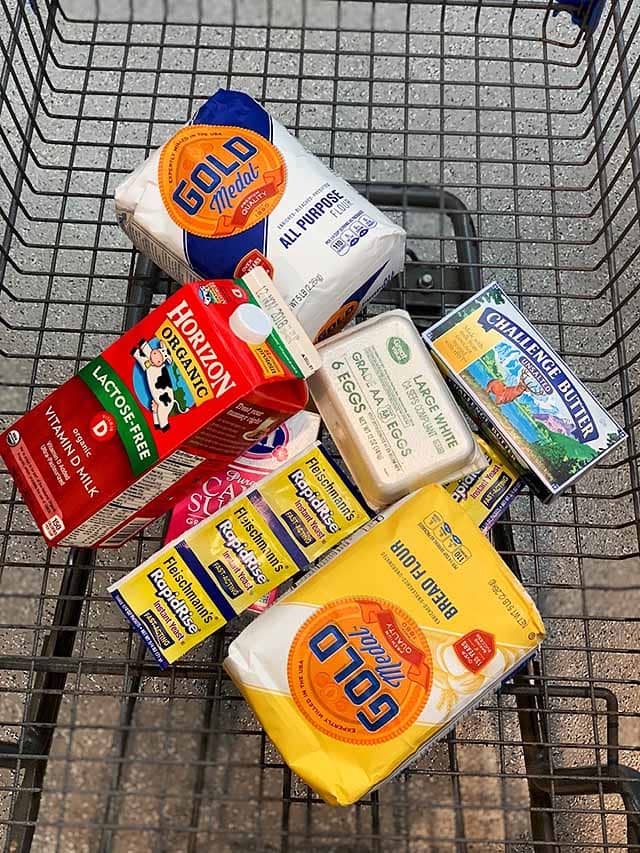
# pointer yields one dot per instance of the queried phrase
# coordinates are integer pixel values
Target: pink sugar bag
(233, 478)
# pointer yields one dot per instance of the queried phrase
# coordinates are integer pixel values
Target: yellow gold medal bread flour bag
(377, 653)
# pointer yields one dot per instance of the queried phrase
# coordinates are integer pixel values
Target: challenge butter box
(521, 392)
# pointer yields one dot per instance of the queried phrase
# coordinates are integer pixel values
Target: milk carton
(196, 382)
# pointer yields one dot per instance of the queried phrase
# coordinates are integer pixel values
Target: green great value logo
(398, 350)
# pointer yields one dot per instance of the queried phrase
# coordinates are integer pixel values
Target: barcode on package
(130, 529)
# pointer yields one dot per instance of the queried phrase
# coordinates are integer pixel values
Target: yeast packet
(198, 582)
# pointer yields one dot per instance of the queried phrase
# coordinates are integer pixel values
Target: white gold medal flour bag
(233, 189)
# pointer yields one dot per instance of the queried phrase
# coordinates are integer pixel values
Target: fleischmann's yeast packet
(520, 392)
(233, 190)
(377, 654)
(229, 480)
(226, 482)
(487, 494)
(198, 582)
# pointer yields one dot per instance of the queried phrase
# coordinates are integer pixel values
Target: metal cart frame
(503, 136)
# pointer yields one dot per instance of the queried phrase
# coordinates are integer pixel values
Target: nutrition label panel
(119, 511)
(158, 253)
(127, 531)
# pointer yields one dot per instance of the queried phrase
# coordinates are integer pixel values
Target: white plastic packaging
(233, 190)
(389, 411)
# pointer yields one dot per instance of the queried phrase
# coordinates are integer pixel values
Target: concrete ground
(469, 98)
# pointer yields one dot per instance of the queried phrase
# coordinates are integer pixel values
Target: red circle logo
(103, 426)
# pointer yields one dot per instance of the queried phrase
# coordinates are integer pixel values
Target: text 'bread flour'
(233, 190)
(378, 653)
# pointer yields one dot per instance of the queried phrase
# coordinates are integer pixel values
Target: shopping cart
(502, 134)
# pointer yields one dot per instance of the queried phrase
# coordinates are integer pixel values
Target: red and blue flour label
(234, 190)
(178, 394)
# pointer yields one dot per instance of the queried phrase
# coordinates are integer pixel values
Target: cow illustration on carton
(154, 362)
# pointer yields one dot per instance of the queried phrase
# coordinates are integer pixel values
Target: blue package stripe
(277, 527)
(219, 256)
(502, 505)
(205, 580)
(141, 629)
(359, 294)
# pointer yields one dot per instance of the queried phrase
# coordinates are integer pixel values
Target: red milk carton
(205, 375)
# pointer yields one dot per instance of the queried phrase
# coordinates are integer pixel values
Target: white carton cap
(250, 323)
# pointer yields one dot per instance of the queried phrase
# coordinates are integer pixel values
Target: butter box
(521, 393)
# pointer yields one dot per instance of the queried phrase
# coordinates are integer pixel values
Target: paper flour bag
(233, 189)
(375, 656)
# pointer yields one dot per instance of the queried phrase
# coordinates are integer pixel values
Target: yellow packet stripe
(275, 524)
(315, 502)
(168, 606)
(487, 494)
(149, 638)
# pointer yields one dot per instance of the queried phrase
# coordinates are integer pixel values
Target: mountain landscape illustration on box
(532, 408)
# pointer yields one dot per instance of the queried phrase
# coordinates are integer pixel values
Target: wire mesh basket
(502, 135)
